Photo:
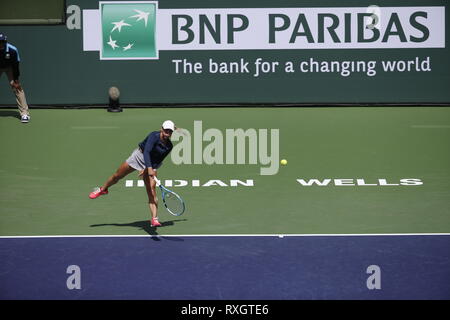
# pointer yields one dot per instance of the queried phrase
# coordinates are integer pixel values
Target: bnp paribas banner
(250, 51)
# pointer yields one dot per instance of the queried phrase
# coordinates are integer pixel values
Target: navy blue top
(9, 58)
(154, 149)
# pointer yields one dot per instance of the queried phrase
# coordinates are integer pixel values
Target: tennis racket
(172, 201)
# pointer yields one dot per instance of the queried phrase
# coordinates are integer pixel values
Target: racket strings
(173, 203)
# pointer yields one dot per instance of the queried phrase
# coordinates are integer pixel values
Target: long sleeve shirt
(154, 149)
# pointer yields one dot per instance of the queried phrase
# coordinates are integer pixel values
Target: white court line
(93, 127)
(233, 235)
(430, 126)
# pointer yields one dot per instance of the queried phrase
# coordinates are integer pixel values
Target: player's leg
(121, 172)
(150, 186)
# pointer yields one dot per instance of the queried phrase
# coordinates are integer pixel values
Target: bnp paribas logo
(128, 30)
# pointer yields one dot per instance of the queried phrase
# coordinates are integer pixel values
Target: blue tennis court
(226, 267)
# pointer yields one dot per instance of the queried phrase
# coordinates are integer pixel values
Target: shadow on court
(145, 225)
(9, 113)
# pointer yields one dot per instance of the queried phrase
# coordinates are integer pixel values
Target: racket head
(173, 202)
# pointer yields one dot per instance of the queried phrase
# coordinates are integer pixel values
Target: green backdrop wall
(56, 70)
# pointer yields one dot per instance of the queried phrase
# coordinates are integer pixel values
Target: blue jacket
(9, 58)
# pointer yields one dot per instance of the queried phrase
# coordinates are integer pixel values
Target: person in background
(9, 64)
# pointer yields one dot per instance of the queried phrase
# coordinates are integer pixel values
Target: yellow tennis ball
(283, 162)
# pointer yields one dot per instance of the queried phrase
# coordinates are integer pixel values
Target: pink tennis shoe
(155, 223)
(97, 193)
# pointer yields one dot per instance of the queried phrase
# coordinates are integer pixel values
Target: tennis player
(146, 158)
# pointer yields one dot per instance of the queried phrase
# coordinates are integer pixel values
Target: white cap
(168, 125)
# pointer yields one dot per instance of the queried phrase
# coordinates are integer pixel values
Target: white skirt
(136, 160)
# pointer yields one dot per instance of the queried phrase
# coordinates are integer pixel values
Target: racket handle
(157, 181)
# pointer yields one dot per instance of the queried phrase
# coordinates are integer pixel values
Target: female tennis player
(146, 158)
